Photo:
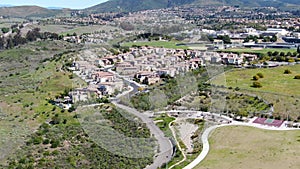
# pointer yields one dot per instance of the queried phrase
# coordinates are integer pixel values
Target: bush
(46, 141)
(291, 60)
(54, 143)
(37, 140)
(287, 71)
(297, 77)
(260, 75)
(256, 85)
(255, 78)
(5, 30)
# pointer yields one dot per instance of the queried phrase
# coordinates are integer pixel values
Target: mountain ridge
(139, 5)
(29, 11)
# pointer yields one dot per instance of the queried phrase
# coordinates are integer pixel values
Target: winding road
(165, 145)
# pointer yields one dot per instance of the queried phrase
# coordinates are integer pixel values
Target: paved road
(165, 146)
(129, 82)
(207, 132)
(92, 105)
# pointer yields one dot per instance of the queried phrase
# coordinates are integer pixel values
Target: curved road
(207, 132)
(165, 145)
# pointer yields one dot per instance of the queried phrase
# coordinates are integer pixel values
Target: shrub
(37, 140)
(297, 77)
(55, 152)
(287, 71)
(5, 30)
(256, 85)
(46, 141)
(260, 75)
(255, 77)
(291, 60)
(54, 143)
(237, 89)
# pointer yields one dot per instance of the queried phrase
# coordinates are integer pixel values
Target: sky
(74, 4)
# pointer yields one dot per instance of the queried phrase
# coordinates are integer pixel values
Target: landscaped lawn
(238, 147)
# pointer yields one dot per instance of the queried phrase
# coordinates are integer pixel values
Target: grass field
(277, 88)
(239, 147)
(274, 80)
(257, 51)
(165, 44)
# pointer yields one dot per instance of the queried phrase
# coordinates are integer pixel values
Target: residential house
(249, 57)
(101, 77)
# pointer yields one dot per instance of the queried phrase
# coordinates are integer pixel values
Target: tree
(269, 53)
(289, 54)
(273, 39)
(5, 30)
(127, 26)
(226, 39)
(260, 75)
(54, 143)
(30, 36)
(287, 71)
(9, 43)
(210, 38)
(256, 85)
(33, 35)
(266, 39)
(15, 30)
(2, 42)
(294, 54)
(275, 53)
(18, 40)
(247, 39)
(255, 78)
(60, 37)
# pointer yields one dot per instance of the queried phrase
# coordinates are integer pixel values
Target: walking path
(178, 145)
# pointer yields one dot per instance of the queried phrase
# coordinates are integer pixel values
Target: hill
(254, 3)
(138, 5)
(134, 5)
(126, 5)
(28, 11)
